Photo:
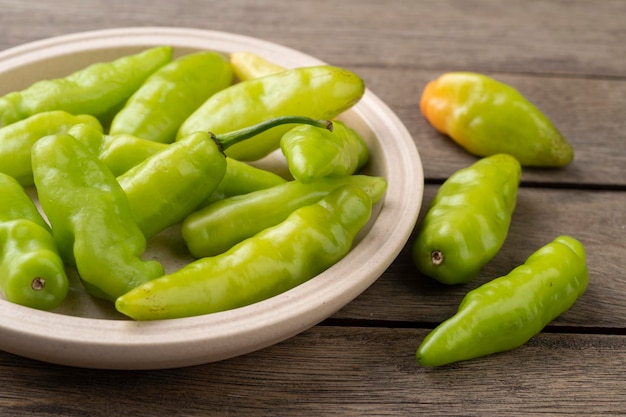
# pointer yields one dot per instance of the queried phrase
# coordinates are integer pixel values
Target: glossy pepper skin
(320, 92)
(165, 188)
(217, 227)
(468, 220)
(95, 90)
(313, 153)
(158, 108)
(17, 139)
(309, 241)
(505, 313)
(91, 218)
(485, 117)
(32, 273)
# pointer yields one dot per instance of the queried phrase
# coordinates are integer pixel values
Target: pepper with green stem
(165, 188)
(309, 241)
(319, 92)
(32, 272)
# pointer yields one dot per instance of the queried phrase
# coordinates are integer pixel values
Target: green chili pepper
(158, 108)
(94, 90)
(242, 178)
(31, 271)
(248, 65)
(314, 153)
(122, 152)
(91, 218)
(169, 185)
(486, 117)
(17, 139)
(505, 313)
(309, 241)
(468, 220)
(222, 224)
(320, 92)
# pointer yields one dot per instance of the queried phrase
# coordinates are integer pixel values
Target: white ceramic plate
(88, 333)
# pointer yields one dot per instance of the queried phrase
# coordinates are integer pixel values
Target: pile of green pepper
(115, 163)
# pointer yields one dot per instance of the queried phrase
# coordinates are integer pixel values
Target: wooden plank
(338, 371)
(555, 37)
(403, 295)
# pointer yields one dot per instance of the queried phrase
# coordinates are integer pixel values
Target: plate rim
(157, 345)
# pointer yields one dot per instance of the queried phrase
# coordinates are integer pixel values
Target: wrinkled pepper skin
(485, 117)
(505, 313)
(217, 227)
(169, 96)
(309, 241)
(32, 272)
(248, 65)
(95, 90)
(91, 218)
(468, 220)
(313, 153)
(320, 92)
(17, 139)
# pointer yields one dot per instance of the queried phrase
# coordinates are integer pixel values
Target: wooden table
(566, 56)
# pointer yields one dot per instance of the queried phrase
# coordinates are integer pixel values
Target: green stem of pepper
(226, 140)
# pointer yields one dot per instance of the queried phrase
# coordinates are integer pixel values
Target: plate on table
(87, 332)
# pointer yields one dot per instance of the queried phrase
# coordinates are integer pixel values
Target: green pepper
(94, 90)
(17, 139)
(485, 117)
(91, 218)
(313, 153)
(468, 220)
(309, 241)
(505, 313)
(169, 185)
(320, 92)
(32, 273)
(248, 65)
(242, 178)
(158, 108)
(217, 227)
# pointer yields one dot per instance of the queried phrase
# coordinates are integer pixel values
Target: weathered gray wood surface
(568, 57)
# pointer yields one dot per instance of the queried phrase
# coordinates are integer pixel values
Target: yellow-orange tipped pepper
(486, 117)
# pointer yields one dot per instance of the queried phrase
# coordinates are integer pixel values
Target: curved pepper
(310, 240)
(169, 185)
(31, 271)
(220, 225)
(90, 217)
(158, 108)
(468, 220)
(313, 153)
(123, 152)
(17, 139)
(320, 92)
(505, 313)
(248, 65)
(486, 117)
(95, 90)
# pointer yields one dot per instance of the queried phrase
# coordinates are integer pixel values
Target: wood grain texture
(566, 56)
(338, 371)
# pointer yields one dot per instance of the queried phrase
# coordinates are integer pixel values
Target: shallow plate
(88, 333)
